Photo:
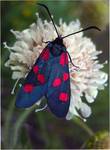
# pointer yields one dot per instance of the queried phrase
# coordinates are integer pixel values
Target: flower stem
(83, 125)
(19, 123)
(8, 124)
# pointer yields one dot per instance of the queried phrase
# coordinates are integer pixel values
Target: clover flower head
(84, 82)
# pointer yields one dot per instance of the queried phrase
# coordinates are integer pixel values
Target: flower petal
(85, 110)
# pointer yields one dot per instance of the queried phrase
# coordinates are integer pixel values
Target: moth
(49, 76)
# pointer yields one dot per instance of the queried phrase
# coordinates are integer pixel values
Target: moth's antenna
(91, 27)
(49, 16)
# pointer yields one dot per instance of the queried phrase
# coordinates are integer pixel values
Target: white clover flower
(85, 82)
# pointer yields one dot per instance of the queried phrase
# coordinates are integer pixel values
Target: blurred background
(25, 129)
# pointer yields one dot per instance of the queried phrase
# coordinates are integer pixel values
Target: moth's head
(58, 40)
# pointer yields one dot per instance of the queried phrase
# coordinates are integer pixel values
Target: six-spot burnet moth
(49, 76)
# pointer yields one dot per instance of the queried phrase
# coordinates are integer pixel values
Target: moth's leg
(46, 41)
(76, 67)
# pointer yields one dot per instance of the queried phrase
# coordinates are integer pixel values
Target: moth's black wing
(58, 93)
(35, 85)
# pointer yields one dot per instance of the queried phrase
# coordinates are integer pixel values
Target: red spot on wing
(66, 58)
(65, 76)
(45, 55)
(63, 97)
(35, 69)
(28, 88)
(41, 78)
(57, 82)
(63, 59)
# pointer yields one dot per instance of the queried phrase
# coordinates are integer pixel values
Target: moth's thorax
(57, 47)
